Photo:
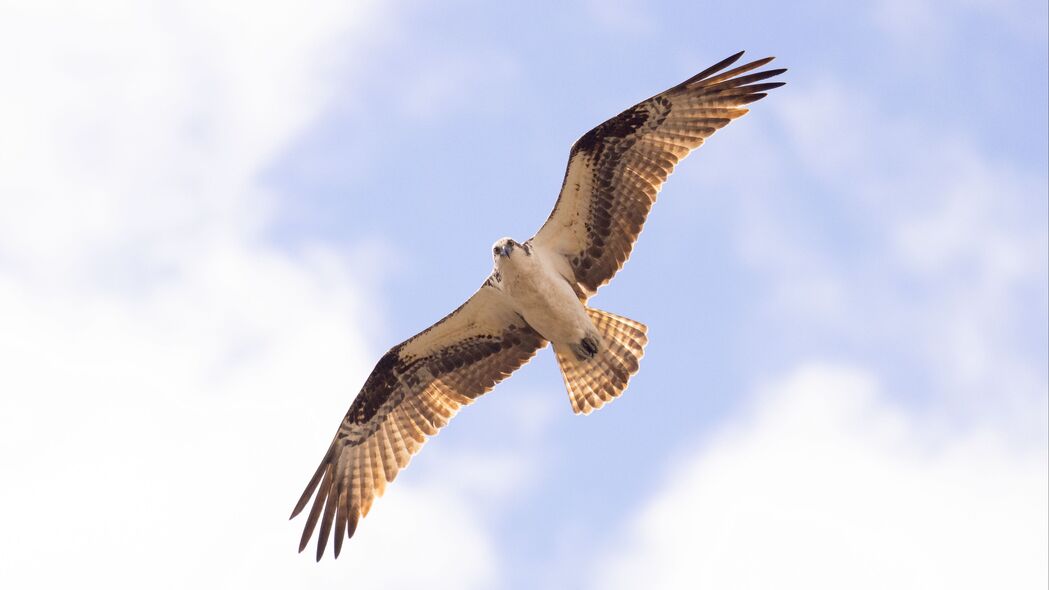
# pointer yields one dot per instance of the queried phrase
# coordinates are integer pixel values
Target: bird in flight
(536, 294)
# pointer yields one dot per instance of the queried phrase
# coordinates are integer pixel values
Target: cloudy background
(214, 217)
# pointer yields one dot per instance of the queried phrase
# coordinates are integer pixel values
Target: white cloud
(920, 251)
(875, 235)
(157, 351)
(158, 115)
(937, 25)
(914, 240)
(822, 484)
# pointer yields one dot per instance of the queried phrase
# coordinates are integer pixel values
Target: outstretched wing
(413, 391)
(617, 168)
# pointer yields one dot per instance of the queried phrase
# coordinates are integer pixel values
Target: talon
(589, 347)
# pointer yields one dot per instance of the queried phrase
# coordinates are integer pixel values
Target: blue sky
(214, 220)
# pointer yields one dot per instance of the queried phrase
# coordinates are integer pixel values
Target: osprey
(536, 294)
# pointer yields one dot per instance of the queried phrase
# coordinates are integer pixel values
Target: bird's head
(503, 249)
(507, 249)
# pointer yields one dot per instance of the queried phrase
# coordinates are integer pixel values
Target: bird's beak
(506, 250)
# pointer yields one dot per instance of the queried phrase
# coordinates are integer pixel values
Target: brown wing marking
(616, 169)
(412, 392)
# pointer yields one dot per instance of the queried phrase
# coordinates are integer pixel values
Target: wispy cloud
(937, 25)
(918, 250)
(946, 259)
(156, 349)
(822, 484)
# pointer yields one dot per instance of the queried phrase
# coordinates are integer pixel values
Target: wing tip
(717, 73)
(713, 69)
(298, 508)
(760, 62)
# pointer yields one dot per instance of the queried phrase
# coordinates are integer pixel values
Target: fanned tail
(592, 382)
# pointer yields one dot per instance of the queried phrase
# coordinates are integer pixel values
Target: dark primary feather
(413, 391)
(616, 169)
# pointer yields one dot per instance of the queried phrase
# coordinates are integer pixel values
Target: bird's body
(537, 294)
(534, 282)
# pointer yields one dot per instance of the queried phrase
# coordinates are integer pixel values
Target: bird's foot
(586, 348)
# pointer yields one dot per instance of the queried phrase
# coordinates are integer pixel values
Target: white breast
(544, 298)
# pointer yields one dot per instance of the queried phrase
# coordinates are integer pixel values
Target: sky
(215, 217)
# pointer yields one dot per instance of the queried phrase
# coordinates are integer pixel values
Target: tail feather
(593, 382)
